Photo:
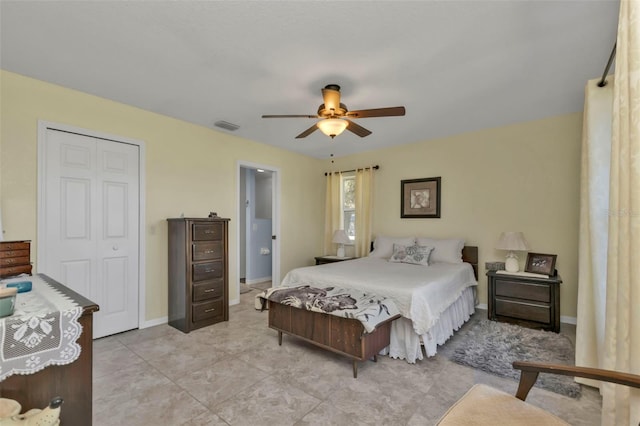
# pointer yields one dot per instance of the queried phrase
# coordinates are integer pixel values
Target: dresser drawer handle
(208, 251)
(208, 231)
(11, 261)
(209, 310)
(210, 290)
(209, 270)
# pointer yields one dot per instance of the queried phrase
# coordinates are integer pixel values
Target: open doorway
(257, 227)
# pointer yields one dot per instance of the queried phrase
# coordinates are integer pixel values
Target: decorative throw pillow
(383, 246)
(444, 250)
(415, 254)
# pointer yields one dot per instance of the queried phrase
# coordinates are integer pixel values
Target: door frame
(41, 254)
(275, 223)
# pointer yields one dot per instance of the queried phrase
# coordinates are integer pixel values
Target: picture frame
(540, 263)
(420, 198)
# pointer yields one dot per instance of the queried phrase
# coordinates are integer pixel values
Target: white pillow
(444, 250)
(415, 254)
(383, 246)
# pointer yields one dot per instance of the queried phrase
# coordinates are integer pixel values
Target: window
(348, 195)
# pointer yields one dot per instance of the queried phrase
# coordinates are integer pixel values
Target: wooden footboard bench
(345, 336)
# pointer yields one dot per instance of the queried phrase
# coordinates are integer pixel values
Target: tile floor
(235, 373)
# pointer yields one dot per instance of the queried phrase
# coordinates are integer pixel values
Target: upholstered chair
(484, 405)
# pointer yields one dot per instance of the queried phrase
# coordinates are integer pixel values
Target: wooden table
(72, 382)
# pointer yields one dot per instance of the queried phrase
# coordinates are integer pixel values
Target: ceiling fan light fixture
(332, 127)
(335, 117)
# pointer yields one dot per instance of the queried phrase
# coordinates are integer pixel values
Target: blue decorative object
(22, 286)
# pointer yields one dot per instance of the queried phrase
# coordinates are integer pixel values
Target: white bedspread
(421, 293)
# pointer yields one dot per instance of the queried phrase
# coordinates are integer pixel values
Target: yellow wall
(523, 177)
(190, 169)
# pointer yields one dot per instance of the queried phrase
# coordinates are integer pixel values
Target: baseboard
(258, 280)
(234, 302)
(154, 322)
(482, 306)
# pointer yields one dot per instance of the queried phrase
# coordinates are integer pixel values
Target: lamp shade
(332, 127)
(340, 237)
(512, 241)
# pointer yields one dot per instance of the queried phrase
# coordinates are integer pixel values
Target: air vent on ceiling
(226, 125)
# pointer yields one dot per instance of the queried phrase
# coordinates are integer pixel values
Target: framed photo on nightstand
(539, 263)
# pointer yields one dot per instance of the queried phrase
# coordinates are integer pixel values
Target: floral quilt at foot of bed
(367, 308)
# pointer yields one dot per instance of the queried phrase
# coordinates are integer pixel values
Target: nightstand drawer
(520, 290)
(526, 311)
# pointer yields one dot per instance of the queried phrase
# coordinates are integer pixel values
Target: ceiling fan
(335, 117)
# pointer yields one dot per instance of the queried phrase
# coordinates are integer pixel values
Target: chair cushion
(484, 405)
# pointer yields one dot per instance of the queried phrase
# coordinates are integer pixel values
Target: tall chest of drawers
(198, 272)
(15, 258)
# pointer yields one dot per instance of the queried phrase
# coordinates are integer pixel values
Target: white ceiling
(456, 66)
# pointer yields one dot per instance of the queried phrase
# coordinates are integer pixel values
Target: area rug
(493, 346)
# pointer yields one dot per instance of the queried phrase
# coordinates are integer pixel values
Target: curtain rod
(603, 82)
(376, 167)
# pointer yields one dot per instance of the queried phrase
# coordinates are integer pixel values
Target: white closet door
(91, 228)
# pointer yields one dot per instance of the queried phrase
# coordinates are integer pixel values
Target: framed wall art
(539, 263)
(420, 198)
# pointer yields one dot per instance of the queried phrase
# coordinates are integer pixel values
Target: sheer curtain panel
(621, 405)
(364, 207)
(594, 223)
(333, 211)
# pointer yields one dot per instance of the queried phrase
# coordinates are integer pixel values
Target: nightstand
(320, 260)
(529, 301)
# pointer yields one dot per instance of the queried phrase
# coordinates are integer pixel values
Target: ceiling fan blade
(377, 112)
(331, 96)
(357, 129)
(289, 116)
(307, 132)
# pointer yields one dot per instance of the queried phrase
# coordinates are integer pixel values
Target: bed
(434, 300)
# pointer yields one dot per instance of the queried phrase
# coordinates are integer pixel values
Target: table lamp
(340, 237)
(512, 241)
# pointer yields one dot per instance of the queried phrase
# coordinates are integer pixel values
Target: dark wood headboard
(469, 255)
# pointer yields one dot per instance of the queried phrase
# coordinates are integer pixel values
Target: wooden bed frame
(345, 336)
(470, 255)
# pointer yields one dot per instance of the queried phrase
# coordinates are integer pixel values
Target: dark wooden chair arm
(530, 370)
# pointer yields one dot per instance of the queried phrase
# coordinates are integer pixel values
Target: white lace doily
(42, 331)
